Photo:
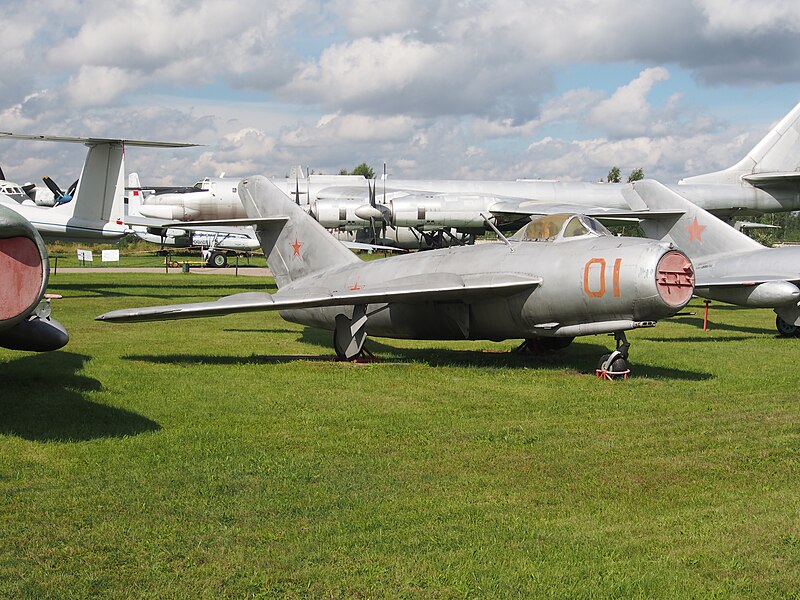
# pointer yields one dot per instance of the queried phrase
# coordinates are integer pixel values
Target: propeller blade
(53, 186)
(372, 186)
(71, 189)
(2, 175)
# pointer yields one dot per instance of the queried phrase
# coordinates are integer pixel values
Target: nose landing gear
(615, 364)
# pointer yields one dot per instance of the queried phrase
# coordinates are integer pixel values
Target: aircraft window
(560, 226)
(541, 229)
(575, 228)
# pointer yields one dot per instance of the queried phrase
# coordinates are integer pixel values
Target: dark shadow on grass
(44, 399)
(179, 293)
(703, 339)
(714, 325)
(264, 330)
(211, 359)
(578, 357)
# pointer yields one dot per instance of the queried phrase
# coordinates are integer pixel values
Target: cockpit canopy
(563, 226)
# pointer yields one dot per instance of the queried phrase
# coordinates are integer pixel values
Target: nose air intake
(675, 278)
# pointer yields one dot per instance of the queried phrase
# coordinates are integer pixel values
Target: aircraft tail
(296, 247)
(100, 195)
(697, 232)
(101, 187)
(774, 159)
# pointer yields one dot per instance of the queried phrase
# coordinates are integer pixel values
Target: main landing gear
(615, 364)
(539, 345)
(350, 333)
(786, 329)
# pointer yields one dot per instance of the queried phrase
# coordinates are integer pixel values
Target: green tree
(636, 175)
(343, 172)
(613, 175)
(365, 170)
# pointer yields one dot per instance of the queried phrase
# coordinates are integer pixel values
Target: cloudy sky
(496, 89)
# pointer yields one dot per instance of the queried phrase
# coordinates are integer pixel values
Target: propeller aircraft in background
(766, 180)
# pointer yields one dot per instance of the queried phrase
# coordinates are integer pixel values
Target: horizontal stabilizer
(416, 288)
(767, 179)
(91, 141)
(374, 247)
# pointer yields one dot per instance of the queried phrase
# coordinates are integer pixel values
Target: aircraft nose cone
(368, 212)
(675, 278)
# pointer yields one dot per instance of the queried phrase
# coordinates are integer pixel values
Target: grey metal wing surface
(427, 287)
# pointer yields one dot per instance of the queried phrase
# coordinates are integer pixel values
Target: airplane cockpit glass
(551, 228)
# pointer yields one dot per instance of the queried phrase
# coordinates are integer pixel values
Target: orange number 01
(601, 288)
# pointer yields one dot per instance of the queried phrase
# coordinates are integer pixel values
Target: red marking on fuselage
(296, 247)
(695, 231)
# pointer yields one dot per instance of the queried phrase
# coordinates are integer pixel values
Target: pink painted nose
(20, 276)
(675, 278)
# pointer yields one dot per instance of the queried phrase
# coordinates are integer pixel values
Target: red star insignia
(696, 231)
(296, 247)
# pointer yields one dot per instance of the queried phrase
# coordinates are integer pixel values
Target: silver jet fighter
(729, 266)
(559, 277)
(25, 322)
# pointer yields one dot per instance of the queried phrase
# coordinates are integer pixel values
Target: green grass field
(232, 457)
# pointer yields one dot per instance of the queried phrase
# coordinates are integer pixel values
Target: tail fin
(101, 188)
(697, 232)
(100, 195)
(294, 248)
(778, 152)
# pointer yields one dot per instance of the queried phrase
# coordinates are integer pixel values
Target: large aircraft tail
(695, 231)
(100, 195)
(296, 247)
(773, 160)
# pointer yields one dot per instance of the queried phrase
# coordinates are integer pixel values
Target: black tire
(786, 329)
(217, 259)
(617, 369)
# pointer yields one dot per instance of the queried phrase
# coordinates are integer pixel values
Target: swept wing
(415, 288)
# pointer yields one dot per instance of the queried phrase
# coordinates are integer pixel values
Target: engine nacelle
(437, 211)
(339, 213)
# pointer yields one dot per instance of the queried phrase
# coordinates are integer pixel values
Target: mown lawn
(233, 457)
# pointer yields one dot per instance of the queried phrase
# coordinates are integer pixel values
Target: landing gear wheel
(616, 370)
(786, 329)
(614, 365)
(217, 259)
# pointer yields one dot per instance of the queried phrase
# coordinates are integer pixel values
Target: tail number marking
(594, 278)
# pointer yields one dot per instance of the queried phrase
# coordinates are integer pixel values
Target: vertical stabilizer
(778, 152)
(695, 231)
(101, 187)
(295, 248)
